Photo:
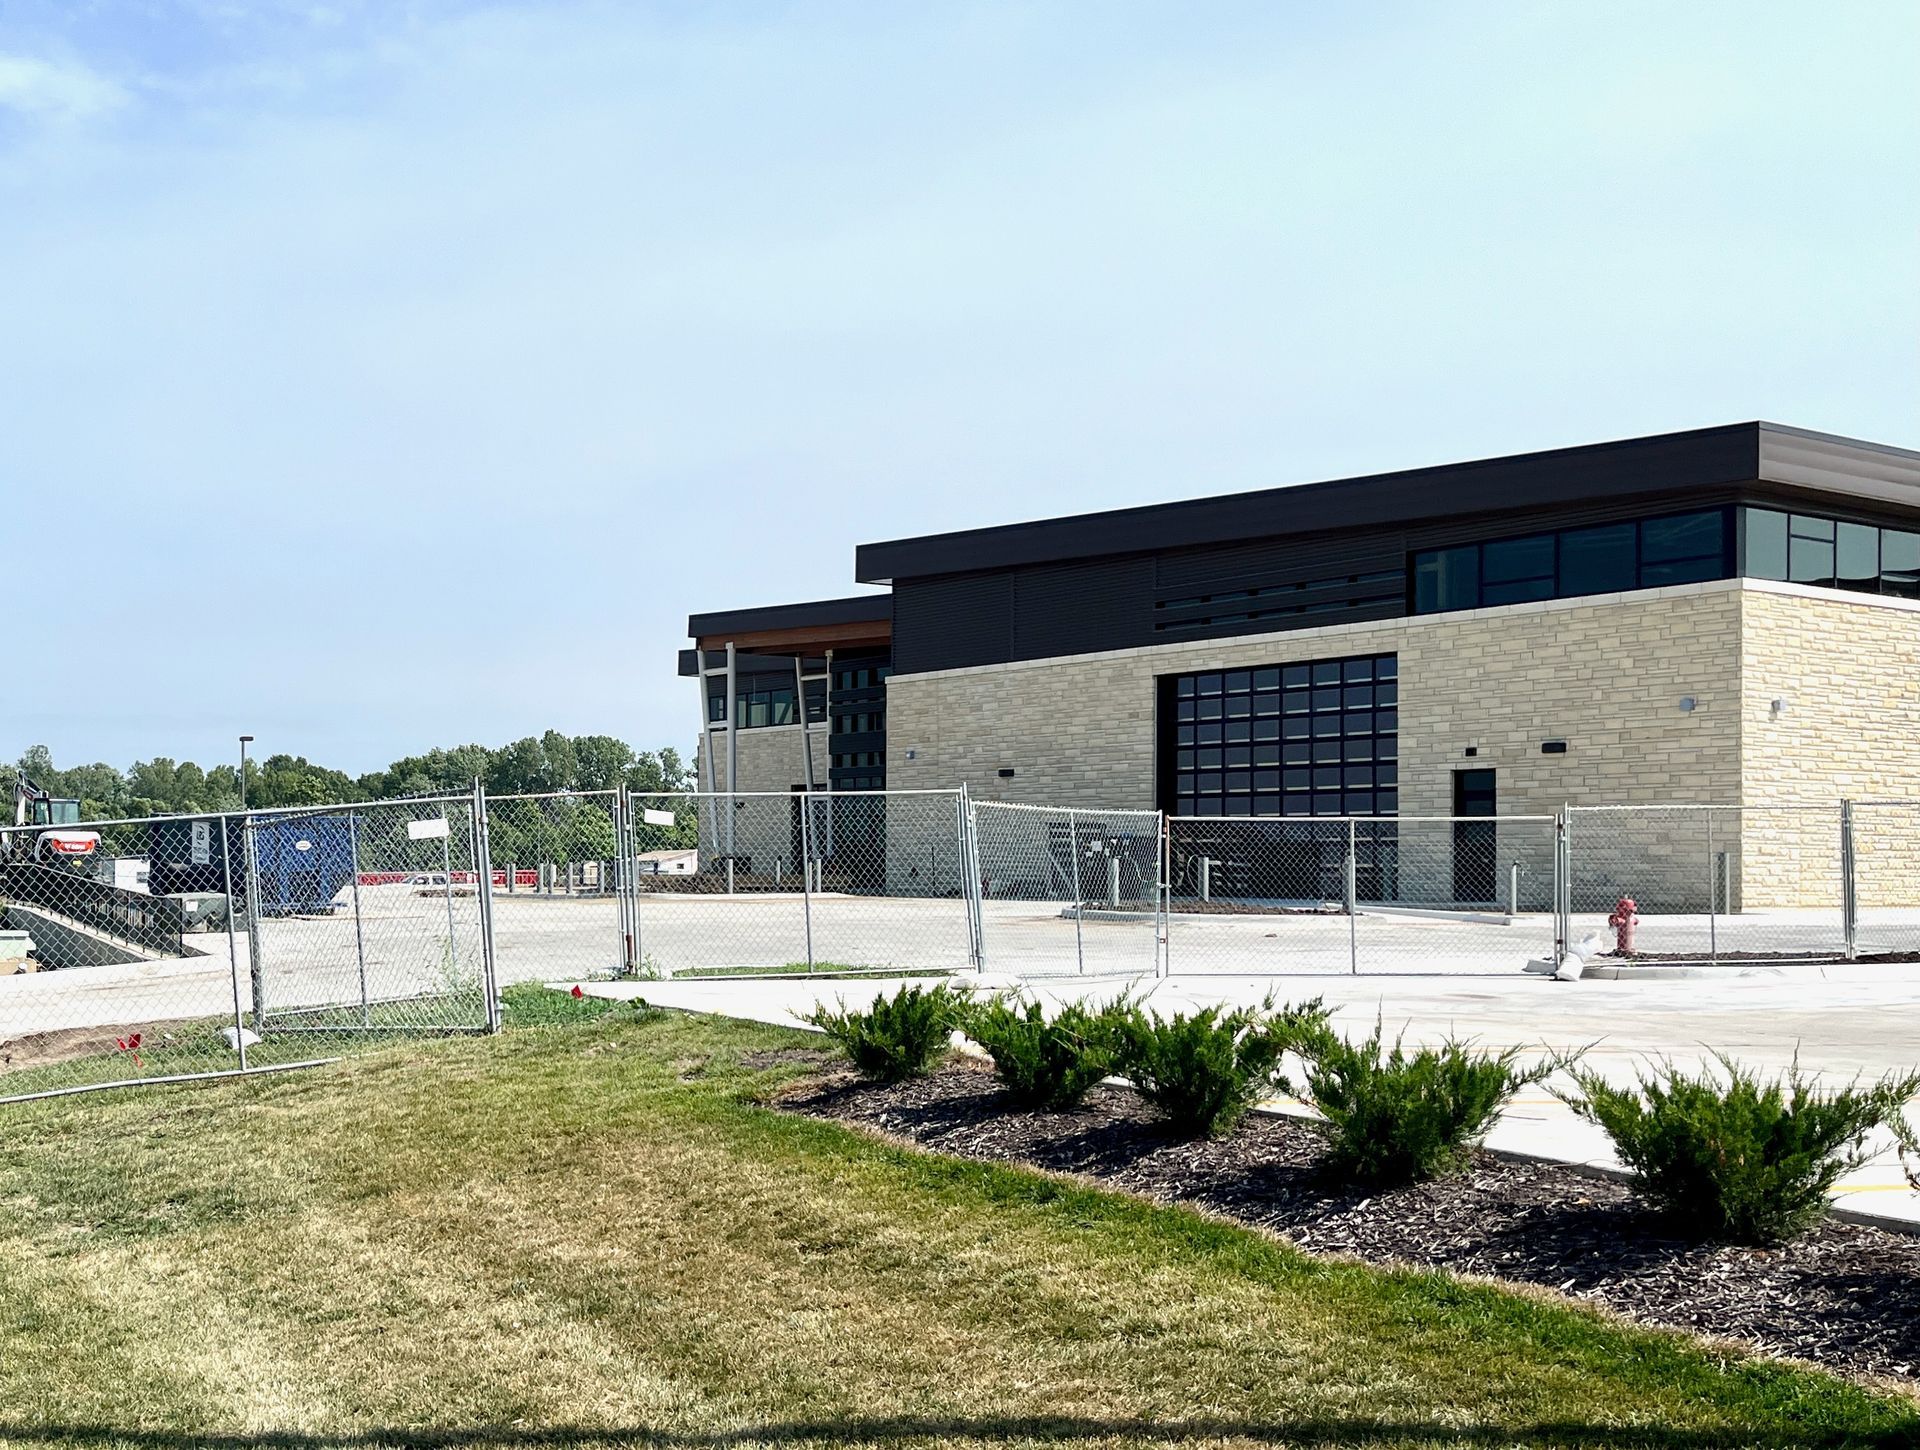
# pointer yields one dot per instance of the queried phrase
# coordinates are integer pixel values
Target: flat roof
(809, 614)
(1660, 464)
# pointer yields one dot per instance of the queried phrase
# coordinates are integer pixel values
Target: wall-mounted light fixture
(1779, 707)
(1688, 704)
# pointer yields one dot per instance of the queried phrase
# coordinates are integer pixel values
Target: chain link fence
(174, 947)
(1070, 892)
(1270, 896)
(555, 866)
(1886, 876)
(800, 882)
(1707, 883)
(143, 950)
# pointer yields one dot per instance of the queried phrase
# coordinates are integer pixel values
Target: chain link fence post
(1849, 885)
(482, 853)
(359, 917)
(233, 942)
(807, 859)
(256, 968)
(1079, 895)
(624, 871)
(974, 887)
(1163, 891)
(1562, 885)
(1352, 894)
(1713, 897)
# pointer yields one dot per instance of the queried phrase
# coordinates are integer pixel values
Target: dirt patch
(45, 1049)
(763, 1058)
(1846, 1296)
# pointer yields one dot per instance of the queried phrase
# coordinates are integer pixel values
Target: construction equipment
(32, 806)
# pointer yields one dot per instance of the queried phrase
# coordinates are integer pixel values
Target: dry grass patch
(551, 1239)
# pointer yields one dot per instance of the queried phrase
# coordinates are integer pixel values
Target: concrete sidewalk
(1841, 1022)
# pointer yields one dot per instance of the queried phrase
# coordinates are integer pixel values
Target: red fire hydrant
(1623, 921)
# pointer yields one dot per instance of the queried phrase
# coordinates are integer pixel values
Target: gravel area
(1845, 1296)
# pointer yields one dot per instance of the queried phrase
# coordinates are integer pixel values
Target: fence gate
(1710, 883)
(558, 866)
(369, 918)
(1070, 892)
(756, 883)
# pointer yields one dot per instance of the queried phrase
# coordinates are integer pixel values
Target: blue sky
(389, 375)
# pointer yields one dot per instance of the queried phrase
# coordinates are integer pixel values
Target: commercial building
(1725, 615)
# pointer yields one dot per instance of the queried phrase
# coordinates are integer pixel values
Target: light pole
(245, 740)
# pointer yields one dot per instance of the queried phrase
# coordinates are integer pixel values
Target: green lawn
(590, 1233)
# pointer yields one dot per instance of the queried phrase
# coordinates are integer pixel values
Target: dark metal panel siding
(952, 621)
(1281, 560)
(1080, 608)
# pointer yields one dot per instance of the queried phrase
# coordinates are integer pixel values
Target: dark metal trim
(856, 609)
(1735, 454)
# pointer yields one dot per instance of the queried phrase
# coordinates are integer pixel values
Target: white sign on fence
(200, 851)
(433, 830)
(657, 818)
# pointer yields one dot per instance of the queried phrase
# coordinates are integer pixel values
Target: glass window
(1517, 591)
(1326, 765)
(1856, 549)
(1446, 579)
(1508, 561)
(1684, 536)
(1810, 558)
(1766, 545)
(1598, 561)
(1900, 563)
(1681, 571)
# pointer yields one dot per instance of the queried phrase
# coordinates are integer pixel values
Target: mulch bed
(1846, 1296)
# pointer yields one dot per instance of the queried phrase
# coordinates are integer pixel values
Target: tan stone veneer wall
(762, 826)
(1605, 674)
(1846, 671)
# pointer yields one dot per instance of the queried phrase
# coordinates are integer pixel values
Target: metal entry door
(1474, 841)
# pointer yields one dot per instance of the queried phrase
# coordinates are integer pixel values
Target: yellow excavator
(41, 838)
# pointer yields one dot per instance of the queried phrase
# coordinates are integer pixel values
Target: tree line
(549, 762)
